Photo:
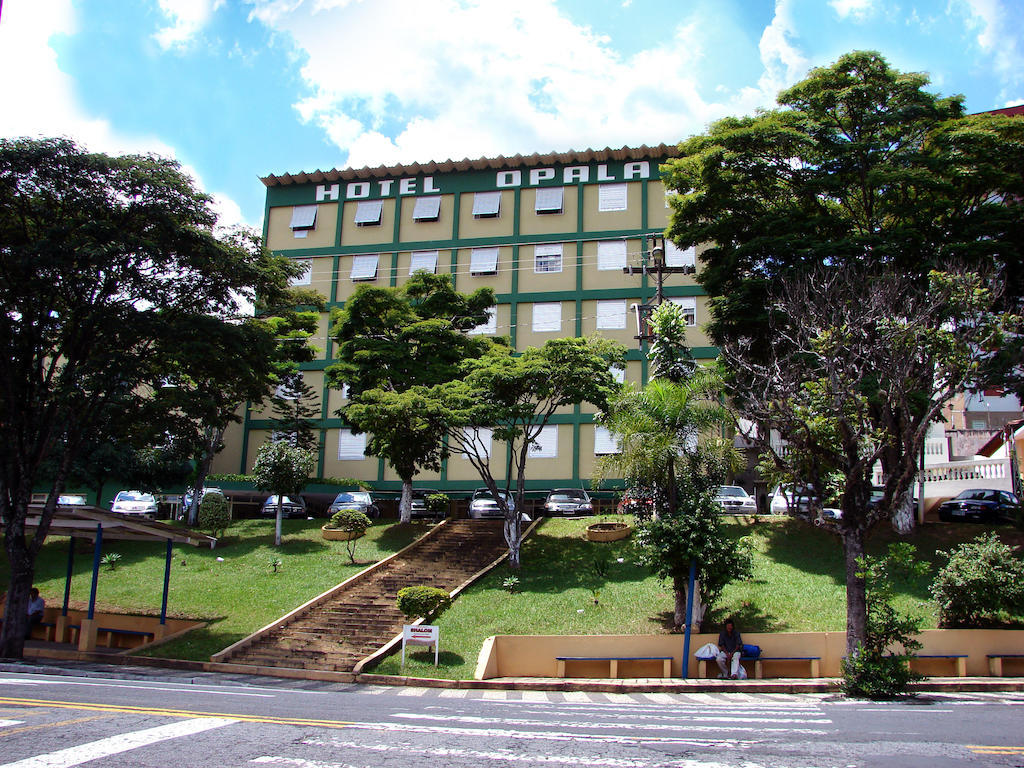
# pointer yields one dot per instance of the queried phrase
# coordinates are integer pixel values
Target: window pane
(483, 261)
(481, 438)
(604, 442)
(547, 257)
(619, 374)
(364, 267)
(486, 203)
(303, 217)
(547, 317)
(689, 306)
(369, 212)
(611, 197)
(611, 254)
(425, 260)
(549, 200)
(306, 277)
(427, 208)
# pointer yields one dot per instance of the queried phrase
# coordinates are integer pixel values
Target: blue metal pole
(689, 618)
(67, 581)
(167, 583)
(97, 552)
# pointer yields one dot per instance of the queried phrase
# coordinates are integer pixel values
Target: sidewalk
(200, 673)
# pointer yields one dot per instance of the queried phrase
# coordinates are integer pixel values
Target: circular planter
(608, 531)
(334, 534)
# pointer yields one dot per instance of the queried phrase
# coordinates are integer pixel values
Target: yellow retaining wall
(534, 655)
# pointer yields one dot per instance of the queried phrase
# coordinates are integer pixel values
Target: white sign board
(421, 634)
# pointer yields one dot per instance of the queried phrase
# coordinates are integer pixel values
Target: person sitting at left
(730, 649)
(36, 608)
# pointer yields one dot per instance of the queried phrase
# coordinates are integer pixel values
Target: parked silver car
(360, 501)
(134, 503)
(568, 501)
(484, 505)
(733, 499)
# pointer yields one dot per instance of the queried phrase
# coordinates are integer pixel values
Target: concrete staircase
(354, 620)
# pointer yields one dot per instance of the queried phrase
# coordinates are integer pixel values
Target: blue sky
(237, 89)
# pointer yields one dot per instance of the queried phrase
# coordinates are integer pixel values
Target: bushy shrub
(437, 504)
(422, 601)
(214, 514)
(353, 521)
(982, 583)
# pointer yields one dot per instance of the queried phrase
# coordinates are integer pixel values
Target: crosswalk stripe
(114, 745)
(9, 723)
(453, 693)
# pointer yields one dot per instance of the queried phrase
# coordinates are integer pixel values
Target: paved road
(68, 720)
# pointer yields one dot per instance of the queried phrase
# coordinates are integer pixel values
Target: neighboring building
(554, 235)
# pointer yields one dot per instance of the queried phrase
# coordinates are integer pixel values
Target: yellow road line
(161, 712)
(994, 749)
(40, 726)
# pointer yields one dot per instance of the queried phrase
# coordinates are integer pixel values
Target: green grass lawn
(798, 584)
(236, 595)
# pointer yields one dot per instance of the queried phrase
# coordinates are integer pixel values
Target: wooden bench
(666, 663)
(959, 658)
(114, 632)
(995, 662)
(815, 662)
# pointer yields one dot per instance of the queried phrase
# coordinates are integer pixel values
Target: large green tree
(861, 241)
(106, 265)
(515, 396)
(392, 340)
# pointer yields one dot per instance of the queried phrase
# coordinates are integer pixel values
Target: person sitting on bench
(36, 606)
(730, 648)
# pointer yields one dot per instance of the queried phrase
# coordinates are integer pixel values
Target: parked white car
(484, 505)
(135, 503)
(734, 499)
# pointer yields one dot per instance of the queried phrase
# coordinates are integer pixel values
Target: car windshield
(978, 495)
(567, 496)
(71, 500)
(356, 497)
(485, 495)
(134, 496)
(286, 500)
(731, 490)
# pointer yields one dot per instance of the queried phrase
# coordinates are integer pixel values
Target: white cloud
(42, 101)
(998, 29)
(400, 81)
(783, 61)
(187, 18)
(858, 9)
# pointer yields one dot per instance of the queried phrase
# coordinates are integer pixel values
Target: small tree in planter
(284, 470)
(352, 522)
(214, 514)
(421, 600)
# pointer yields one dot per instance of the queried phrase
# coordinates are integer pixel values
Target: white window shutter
(482, 438)
(611, 314)
(423, 260)
(547, 257)
(689, 306)
(486, 203)
(549, 200)
(611, 197)
(619, 374)
(364, 267)
(369, 212)
(427, 208)
(483, 261)
(611, 254)
(547, 317)
(351, 447)
(307, 276)
(488, 327)
(604, 442)
(677, 257)
(303, 217)
(546, 444)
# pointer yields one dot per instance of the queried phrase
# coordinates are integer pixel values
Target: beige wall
(534, 656)
(374, 235)
(347, 286)
(604, 221)
(530, 280)
(460, 468)
(658, 212)
(624, 336)
(526, 337)
(532, 223)
(594, 278)
(501, 282)
(365, 469)
(227, 461)
(500, 226)
(323, 235)
(422, 231)
(444, 263)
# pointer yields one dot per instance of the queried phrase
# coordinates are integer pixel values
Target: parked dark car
(291, 506)
(419, 502)
(360, 501)
(568, 501)
(982, 505)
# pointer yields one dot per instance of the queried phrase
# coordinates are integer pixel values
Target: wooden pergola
(97, 525)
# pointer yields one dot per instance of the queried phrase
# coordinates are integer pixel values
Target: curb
(121, 668)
